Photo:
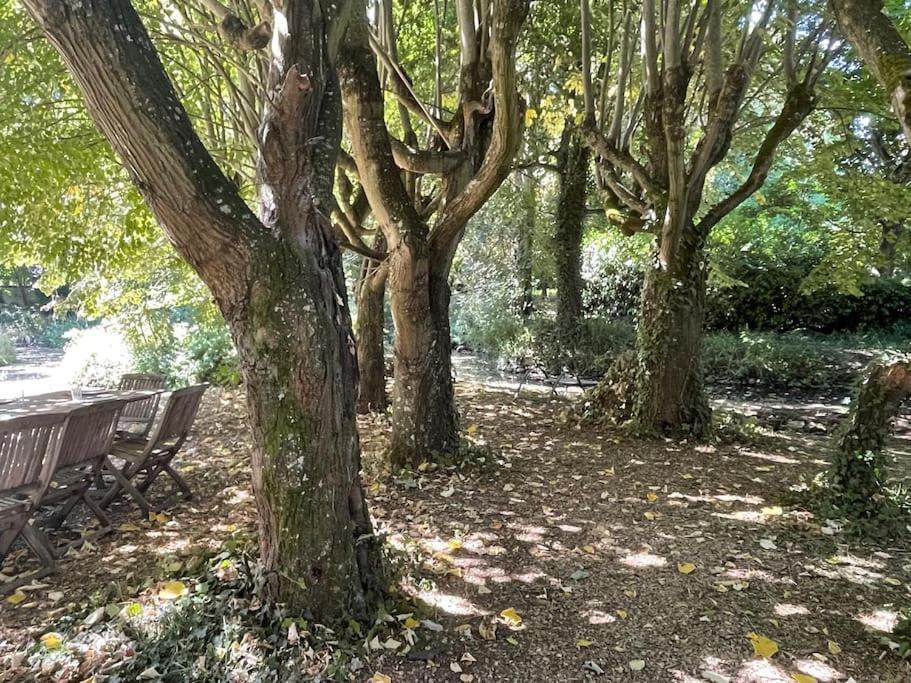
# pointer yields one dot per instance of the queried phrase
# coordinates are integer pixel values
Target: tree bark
(883, 49)
(425, 422)
(277, 281)
(670, 394)
(857, 473)
(370, 332)
(570, 228)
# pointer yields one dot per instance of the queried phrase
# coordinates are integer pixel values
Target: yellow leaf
(455, 543)
(472, 428)
(172, 590)
(511, 617)
(159, 517)
(16, 598)
(803, 678)
(650, 516)
(51, 641)
(377, 677)
(686, 568)
(834, 647)
(590, 549)
(583, 643)
(762, 646)
(622, 613)
(651, 496)
(773, 511)
(412, 623)
(530, 115)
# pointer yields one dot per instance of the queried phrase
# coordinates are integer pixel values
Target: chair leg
(39, 544)
(180, 481)
(122, 482)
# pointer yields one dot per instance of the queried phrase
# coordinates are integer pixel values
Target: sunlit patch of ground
(613, 553)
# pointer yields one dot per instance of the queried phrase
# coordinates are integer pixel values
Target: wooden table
(62, 401)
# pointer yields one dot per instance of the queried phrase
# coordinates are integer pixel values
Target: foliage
(7, 351)
(775, 361)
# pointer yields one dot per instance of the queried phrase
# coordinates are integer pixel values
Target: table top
(63, 402)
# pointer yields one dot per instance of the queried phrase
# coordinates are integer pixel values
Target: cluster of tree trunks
(276, 277)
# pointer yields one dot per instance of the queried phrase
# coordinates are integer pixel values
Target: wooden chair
(137, 416)
(152, 456)
(87, 440)
(29, 451)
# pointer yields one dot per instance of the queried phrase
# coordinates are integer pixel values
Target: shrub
(30, 327)
(97, 356)
(775, 361)
(7, 351)
(588, 350)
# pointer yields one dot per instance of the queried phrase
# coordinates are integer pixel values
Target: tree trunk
(883, 49)
(425, 422)
(370, 333)
(524, 300)
(278, 282)
(569, 229)
(888, 246)
(670, 396)
(857, 474)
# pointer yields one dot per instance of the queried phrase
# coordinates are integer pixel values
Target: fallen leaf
(160, 517)
(803, 678)
(637, 664)
(622, 613)
(590, 549)
(762, 646)
(510, 617)
(650, 516)
(455, 544)
(16, 598)
(686, 568)
(583, 643)
(834, 647)
(768, 544)
(472, 429)
(412, 623)
(172, 590)
(651, 496)
(51, 641)
(95, 617)
(377, 677)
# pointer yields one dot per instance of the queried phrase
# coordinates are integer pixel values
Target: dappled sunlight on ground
(611, 552)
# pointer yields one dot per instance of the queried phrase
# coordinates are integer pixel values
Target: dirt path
(621, 560)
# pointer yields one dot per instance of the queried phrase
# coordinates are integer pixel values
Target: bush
(7, 351)
(97, 356)
(776, 361)
(184, 355)
(587, 351)
(33, 328)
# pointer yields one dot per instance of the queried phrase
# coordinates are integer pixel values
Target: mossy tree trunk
(669, 391)
(569, 228)
(524, 299)
(857, 474)
(276, 278)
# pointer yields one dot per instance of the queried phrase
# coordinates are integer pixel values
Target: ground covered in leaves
(567, 555)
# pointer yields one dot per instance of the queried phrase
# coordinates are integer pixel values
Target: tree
(883, 49)
(569, 227)
(423, 220)
(276, 278)
(658, 137)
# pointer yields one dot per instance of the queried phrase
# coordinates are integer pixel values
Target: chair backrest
(89, 433)
(143, 409)
(29, 449)
(178, 416)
